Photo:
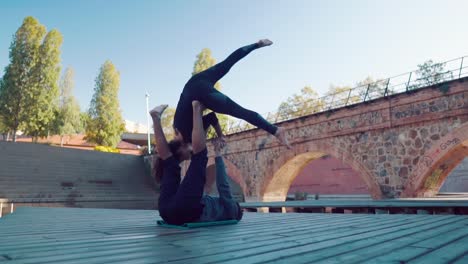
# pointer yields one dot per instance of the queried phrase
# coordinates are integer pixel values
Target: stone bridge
(403, 145)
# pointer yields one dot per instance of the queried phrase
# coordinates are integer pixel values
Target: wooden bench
(421, 206)
(5, 207)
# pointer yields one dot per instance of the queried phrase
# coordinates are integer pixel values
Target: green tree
(68, 120)
(19, 82)
(105, 125)
(430, 73)
(338, 96)
(43, 98)
(204, 61)
(3, 129)
(304, 103)
(369, 89)
(166, 122)
(84, 118)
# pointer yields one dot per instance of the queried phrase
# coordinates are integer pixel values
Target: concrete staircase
(42, 175)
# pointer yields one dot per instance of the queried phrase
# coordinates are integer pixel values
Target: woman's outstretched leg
(216, 72)
(218, 102)
(161, 143)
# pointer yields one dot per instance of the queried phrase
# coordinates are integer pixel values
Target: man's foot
(219, 145)
(282, 137)
(158, 111)
(264, 42)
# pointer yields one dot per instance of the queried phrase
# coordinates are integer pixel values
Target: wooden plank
(288, 226)
(463, 259)
(109, 229)
(253, 254)
(81, 228)
(306, 246)
(445, 254)
(140, 252)
(369, 223)
(184, 239)
(404, 254)
(73, 235)
(355, 255)
(240, 241)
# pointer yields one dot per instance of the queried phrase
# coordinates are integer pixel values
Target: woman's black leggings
(220, 103)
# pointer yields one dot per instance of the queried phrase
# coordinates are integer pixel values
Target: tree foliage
(42, 101)
(304, 103)
(68, 119)
(369, 89)
(338, 96)
(84, 118)
(430, 73)
(3, 129)
(203, 62)
(105, 124)
(166, 122)
(20, 86)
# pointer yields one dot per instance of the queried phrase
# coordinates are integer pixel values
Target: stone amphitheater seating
(42, 175)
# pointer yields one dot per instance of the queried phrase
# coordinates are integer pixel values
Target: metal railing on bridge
(430, 75)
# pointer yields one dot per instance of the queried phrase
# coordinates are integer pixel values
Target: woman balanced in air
(200, 88)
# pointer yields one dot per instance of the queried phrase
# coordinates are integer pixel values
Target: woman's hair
(174, 146)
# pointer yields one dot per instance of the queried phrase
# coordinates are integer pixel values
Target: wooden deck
(70, 235)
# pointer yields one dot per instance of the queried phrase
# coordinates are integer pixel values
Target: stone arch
(434, 167)
(284, 170)
(328, 176)
(233, 172)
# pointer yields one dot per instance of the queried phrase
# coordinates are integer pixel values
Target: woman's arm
(161, 143)
(198, 133)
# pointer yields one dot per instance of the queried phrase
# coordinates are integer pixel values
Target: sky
(316, 43)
